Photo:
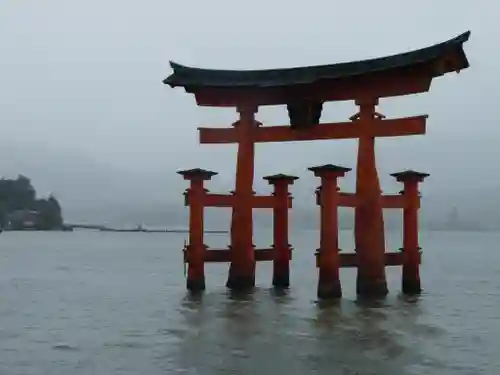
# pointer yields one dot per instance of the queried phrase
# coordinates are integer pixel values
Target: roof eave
(185, 76)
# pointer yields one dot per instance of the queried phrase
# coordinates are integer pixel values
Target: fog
(84, 113)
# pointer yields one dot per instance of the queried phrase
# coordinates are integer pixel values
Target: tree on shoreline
(19, 196)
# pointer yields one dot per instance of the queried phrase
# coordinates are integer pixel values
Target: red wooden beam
(227, 200)
(341, 130)
(350, 260)
(217, 256)
(262, 255)
(415, 80)
(393, 259)
(218, 200)
(388, 200)
(394, 201)
(347, 200)
(224, 255)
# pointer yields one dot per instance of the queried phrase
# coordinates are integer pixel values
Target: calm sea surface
(115, 303)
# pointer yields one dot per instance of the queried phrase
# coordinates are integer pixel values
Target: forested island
(21, 209)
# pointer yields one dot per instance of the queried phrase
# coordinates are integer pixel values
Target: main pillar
(281, 248)
(242, 269)
(411, 248)
(327, 257)
(196, 248)
(369, 220)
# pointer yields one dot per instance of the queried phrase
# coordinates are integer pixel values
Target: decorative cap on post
(409, 175)
(273, 179)
(329, 169)
(197, 174)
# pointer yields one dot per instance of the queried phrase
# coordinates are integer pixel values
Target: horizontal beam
(345, 199)
(388, 200)
(227, 200)
(395, 82)
(341, 130)
(350, 260)
(394, 201)
(224, 255)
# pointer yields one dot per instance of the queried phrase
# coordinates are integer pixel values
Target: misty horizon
(85, 115)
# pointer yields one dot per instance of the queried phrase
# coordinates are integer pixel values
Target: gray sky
(81, 96)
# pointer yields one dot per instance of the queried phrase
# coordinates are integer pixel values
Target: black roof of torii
(184, 76)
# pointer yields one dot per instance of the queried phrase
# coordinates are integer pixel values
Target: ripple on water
(128, 344)
(65, 347)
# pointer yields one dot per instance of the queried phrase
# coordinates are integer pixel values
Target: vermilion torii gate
(304, 90)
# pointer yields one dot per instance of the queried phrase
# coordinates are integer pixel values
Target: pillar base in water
(371, 288)
(239, 281)
(195, 285)
(411, 286)
(281, 279)
(330, 290)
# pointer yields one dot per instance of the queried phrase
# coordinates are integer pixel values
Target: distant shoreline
(138, 229)
(70, 228)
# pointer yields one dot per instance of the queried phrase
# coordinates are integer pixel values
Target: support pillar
(281, 247)
(242, 268)
(411, 248)
(327, 257)
(196, 248)
(369, 220)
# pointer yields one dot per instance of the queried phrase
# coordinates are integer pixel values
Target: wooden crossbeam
(347, 260)
(388, 200)
(224, 255)
(342, 130)
(227, 200)
(350, 260)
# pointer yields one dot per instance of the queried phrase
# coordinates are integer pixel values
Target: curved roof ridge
(185, 76)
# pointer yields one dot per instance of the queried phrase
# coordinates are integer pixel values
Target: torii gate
(304, 90)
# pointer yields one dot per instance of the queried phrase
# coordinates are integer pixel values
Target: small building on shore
(23, 219)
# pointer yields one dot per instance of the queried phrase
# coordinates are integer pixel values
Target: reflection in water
(244, 333)
(328, 314)
(247, 333)
(351, 338)
(280, 295)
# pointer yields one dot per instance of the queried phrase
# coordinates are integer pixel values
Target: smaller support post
(411, 248)
(328, 253)
(281, 247)
(195, 250)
